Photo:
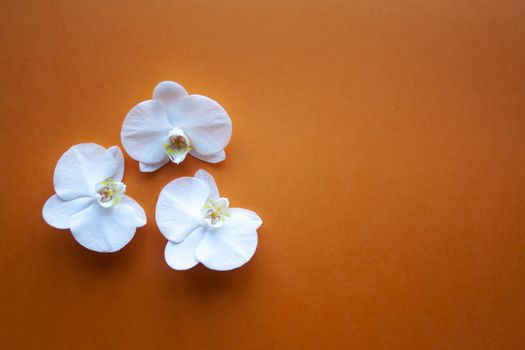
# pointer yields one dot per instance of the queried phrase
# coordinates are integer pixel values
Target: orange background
(381, 142)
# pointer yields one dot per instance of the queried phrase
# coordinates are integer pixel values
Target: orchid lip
(215, 212)
(109, 192)
(177, 145)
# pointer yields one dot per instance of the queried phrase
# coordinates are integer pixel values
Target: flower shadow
(64, 250)
(208, 284)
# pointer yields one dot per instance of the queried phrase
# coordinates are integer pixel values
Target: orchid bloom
(90, 199)
(201, 227)
(174, 124)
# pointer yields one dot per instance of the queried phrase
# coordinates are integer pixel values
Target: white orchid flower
(174, 124)
(90, 198)
(201, 227)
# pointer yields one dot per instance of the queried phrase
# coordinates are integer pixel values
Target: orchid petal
(211, 158)
(181, 256)
(209, 181)
(105, 229)
(149, 167)
(80, 168)
(137, 209)
(144, 131)
(169, 92)
(119, 157)
(250, 215)
(57, 212)
(205, 122)
(231, 245)
(178, 207)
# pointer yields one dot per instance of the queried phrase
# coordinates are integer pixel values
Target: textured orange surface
(381, 142)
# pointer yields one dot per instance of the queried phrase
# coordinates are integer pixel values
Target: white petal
(250, 215)
(119, 157)
(181, 256)
(179, 207)
(212, 158)
(169, 92)
(104, 229)
(231, 245)
(137, 209)
(147, 167)
(205, 122)
(144, 131)
(80, 168)
(57, 212)
(209, 181)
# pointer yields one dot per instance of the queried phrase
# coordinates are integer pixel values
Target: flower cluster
(199, 224)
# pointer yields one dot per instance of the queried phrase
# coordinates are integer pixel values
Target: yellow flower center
(109, 192)
(215, 212)
(177, 141)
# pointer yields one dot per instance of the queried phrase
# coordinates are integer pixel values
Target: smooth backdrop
(382, 143)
